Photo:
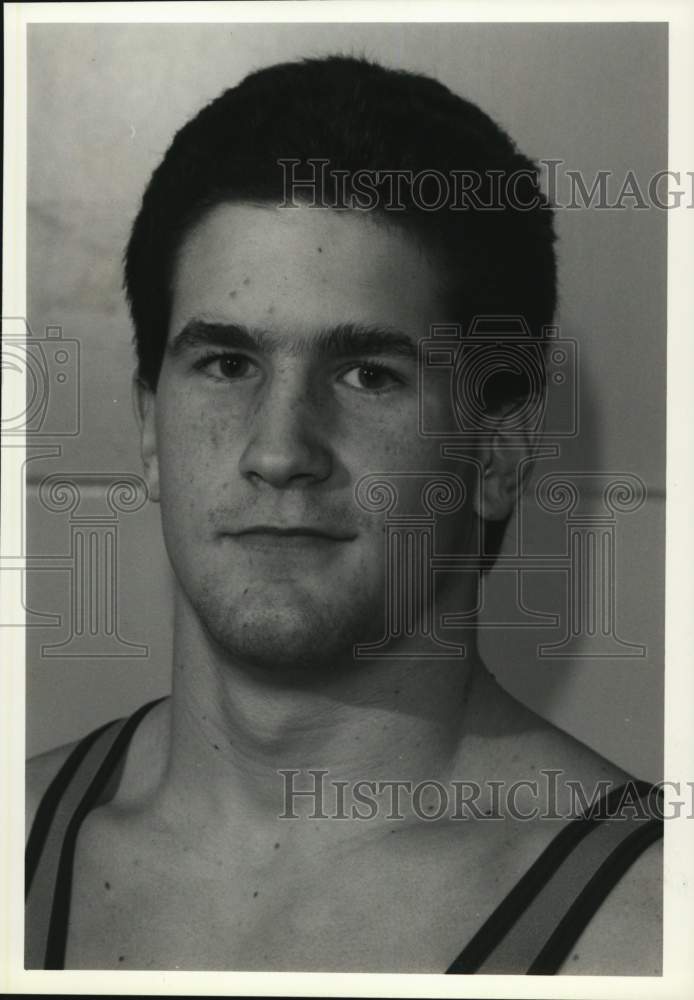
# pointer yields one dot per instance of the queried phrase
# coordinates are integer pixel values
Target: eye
(371, 377)
(226, 367)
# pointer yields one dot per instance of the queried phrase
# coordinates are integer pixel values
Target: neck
(235, 728)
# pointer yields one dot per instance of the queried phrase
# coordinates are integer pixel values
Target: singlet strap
(533, 929)
(89, 777)
(537, 924)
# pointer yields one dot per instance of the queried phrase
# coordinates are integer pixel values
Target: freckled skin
(288, 445)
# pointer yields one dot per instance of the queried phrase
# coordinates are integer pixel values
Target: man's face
(290, 372)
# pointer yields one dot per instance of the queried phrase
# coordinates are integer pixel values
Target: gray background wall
(104, 101)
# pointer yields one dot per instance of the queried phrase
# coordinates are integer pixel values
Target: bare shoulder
(40, 772)
(528, 747)
(144, 764)
(624, 936)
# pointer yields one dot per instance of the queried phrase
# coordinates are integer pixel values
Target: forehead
(303, 269)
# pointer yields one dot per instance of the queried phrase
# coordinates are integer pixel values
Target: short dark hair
(359, 116)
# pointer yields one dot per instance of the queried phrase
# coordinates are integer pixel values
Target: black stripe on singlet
(577, 917)
(49, 803)
(484, 942)
(543, 956)
(60, 912)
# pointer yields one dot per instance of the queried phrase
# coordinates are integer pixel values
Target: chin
(294, 637)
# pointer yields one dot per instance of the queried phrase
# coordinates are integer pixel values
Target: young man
(281, 273)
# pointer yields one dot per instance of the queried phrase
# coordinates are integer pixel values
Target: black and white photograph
(346, 445)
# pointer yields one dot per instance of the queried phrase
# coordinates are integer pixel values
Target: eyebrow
(342, 340)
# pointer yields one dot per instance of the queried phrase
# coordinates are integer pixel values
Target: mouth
(267, 536)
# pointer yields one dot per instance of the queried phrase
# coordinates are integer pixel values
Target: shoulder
(144, 759)
(522, 746)
(625, 936)
(40, 772)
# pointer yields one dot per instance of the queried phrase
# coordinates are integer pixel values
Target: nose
(286, 445)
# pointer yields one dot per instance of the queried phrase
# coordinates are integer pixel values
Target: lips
(294, 542)
(298, 532)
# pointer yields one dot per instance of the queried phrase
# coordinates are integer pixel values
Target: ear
(144, 401)
(507, 461)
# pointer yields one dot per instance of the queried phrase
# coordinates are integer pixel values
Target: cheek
(383, 438)
(402, 450)
(192, 440)
(187, 463)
